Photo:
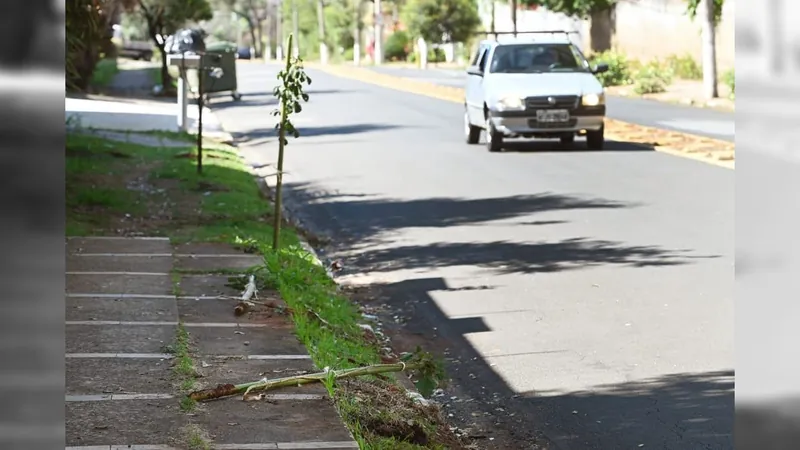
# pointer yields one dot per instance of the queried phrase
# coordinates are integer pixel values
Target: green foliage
(396, 47)
(289, 92)
(619, 68)
(84, 23)
(652, 78)
(104, 72)
(685, 67)
(577, 8)
(439, 21)
(729, 79)
(436, 55)
(693, 5)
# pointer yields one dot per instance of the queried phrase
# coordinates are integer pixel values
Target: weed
(183, 367)
(652, 78)
(176, 283)
(729, 79)
(192, 437)
(685, 67)
(619, 68)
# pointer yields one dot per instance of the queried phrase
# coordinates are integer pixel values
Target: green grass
(104, 72)
(183, 367)
(223, 204)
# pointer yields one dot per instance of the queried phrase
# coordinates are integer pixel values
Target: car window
(536, 58)
(477, 56)
(482, 61)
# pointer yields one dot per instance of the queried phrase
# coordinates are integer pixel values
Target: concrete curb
(711, 151)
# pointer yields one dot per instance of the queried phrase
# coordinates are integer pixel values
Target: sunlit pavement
(604, 279)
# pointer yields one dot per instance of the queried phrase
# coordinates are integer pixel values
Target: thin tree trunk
(514, 16)
(709, 49)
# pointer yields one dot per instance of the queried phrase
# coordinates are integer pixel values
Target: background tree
(165, 17)
(597, 11)
(254, 13)
(88, 34)
(710, 12)
(439, 21)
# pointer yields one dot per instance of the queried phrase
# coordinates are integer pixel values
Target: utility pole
(323, 46)
(359, 31)
(295, 30)
(378, 33)
(514, 16)
(279, 32)
(492, 25)
(708, 32)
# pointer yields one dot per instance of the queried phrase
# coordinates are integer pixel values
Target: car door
(474, 87)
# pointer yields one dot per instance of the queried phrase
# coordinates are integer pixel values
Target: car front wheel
(595, 140)
(494, 139)
(472, 133)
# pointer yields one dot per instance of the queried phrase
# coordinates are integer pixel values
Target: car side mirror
(475, 71)
(600, 68)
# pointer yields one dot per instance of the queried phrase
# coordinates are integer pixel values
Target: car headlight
(510, 102)
(593, 99)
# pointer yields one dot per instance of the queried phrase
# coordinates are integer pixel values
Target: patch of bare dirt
(384, 410)
(477, 415)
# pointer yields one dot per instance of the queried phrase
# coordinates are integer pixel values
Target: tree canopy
(439, 21)
(577, 8)
(693, 5)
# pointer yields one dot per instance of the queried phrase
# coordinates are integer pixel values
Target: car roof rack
(497, 34)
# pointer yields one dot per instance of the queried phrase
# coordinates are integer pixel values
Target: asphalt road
(704, 122)
(594, 289)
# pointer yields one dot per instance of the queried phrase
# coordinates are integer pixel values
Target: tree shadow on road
(505, 257)
(673, 411)
(261, 134)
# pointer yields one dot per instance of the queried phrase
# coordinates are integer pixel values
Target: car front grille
(558, 101)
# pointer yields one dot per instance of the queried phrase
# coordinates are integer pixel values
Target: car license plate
(552, 115)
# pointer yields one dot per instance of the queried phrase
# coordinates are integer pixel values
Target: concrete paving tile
(272, 421)
(162, 264)
(119, 284)
(86, 376)
(122, 309)
(207, 286)
(123, 245)
(119, 338)
(246, 341)
(123, 422)
(206, 263)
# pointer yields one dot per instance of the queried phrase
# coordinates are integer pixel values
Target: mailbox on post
(184, 62)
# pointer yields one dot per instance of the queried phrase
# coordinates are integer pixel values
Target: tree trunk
(776, 49)
(323, 45)
(252, 26)
(709, 49)
(601, 31)
(166, 78)
(514, 16)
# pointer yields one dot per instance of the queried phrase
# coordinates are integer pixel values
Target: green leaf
(426, 385)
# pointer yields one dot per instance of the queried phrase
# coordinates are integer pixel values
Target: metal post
(378, 33)
(183, 110)
(200, 75)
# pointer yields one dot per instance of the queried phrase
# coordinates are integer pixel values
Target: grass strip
(123, 188)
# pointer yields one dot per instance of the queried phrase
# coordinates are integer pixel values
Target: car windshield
(536, 58)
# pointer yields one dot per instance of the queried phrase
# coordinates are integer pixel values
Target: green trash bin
(222, 55)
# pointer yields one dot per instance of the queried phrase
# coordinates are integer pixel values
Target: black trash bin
(221, 55)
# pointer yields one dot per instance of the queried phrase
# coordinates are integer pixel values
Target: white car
(534, 88)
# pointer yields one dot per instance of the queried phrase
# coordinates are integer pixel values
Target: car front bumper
(523, 123)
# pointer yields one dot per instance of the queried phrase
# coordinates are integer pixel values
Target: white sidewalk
(137, 115)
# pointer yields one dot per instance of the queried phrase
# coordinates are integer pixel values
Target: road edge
(456, 95)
